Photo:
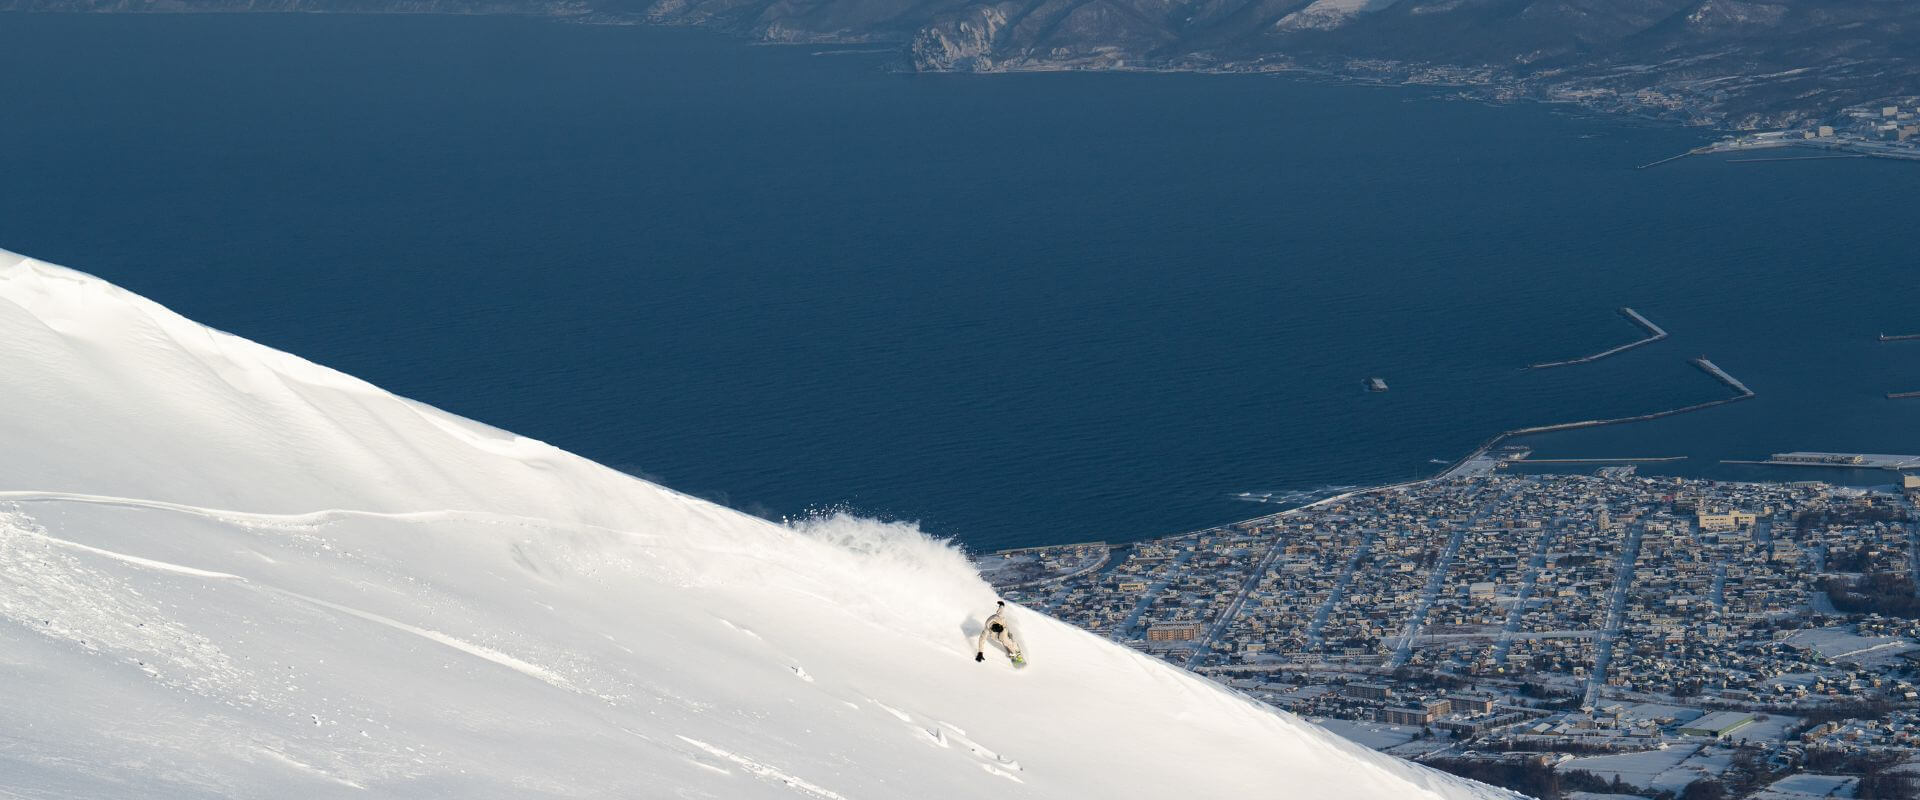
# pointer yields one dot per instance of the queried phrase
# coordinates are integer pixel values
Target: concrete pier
(1794, 158)
(1887, 461)
(1654, 333)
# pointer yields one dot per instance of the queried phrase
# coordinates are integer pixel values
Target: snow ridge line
(144, 562)
(859, 546)
(233, 515)
(534, 671)
(428, 515)
(764, 772)
(531, 670)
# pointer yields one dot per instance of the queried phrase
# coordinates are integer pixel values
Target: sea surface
(1020, 309)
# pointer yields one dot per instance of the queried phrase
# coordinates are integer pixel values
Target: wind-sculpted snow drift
(226, 571)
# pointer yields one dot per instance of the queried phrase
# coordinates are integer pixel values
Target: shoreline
(1477, 463)
(1830, 149)
(1501, 91)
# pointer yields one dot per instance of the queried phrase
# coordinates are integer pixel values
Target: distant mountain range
(1736, 63)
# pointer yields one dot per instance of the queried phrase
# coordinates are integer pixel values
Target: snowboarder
(998, 630)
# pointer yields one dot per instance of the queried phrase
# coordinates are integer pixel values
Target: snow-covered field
(1376, 735)
(226, 571)
(1670, 769)
(1840, 643)
(1809, 787)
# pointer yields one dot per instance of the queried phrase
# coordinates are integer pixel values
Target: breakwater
(1793, 158)
(1693, 152)
(1628, 460)
(1654, 333)
(1478, 460)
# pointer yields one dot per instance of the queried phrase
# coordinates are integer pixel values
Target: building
(1367, 691)
(1718, 724)
(1179, 632)
(1422, 714)
(1403, 716)
(1725, 521)
(1471, 703)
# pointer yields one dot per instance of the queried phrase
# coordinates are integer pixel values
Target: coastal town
(1614, 634)
(1890, 130)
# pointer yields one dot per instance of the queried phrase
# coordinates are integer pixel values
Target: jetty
(1639, 460)
(1695, 151)
(1654, 333)
(1899, 337)
(1729, 380)
(1794, 158)
(1886, 461)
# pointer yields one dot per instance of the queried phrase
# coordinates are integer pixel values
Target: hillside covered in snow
(229, 572)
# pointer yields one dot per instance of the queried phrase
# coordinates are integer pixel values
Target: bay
(1019, 309)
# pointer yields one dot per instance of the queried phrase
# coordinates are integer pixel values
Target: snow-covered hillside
(226, 571)
(1324, 14)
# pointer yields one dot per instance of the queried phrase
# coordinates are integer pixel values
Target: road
(1404, 650)
(1527, 583)
(1319, 623)
(1616, 616)
(1205, 645)
(1146, 598)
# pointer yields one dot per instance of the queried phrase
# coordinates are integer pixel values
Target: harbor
(1479, 462)
(1870, 131)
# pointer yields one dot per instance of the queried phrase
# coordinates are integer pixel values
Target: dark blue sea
(1020, 309)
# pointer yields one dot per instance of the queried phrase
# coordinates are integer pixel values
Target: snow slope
(1327, 14)
(226, 571)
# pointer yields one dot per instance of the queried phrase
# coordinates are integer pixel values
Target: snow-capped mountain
(226, 571)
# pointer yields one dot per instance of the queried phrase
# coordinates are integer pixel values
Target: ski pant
(1005, 639)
